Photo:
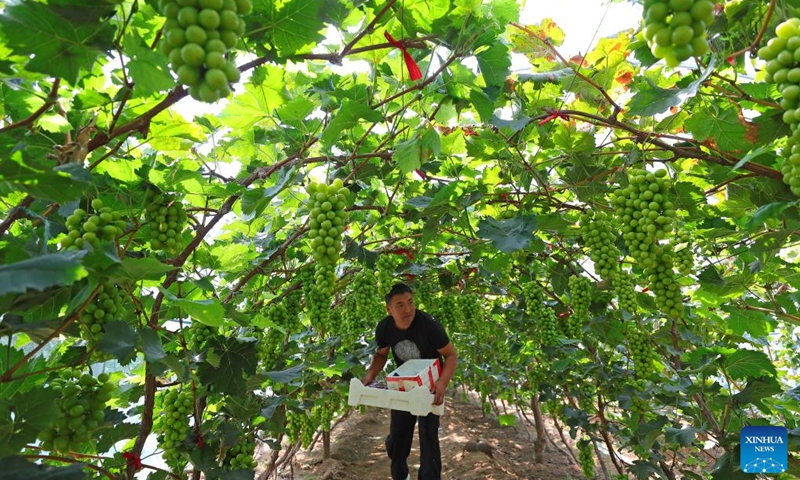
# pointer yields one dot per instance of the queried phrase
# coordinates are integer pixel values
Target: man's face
(401, 308)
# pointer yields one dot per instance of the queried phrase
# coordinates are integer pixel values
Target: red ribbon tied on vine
(133, 461)
(413, 69)
(552, 115)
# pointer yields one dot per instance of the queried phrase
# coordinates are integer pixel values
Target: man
(412, 333)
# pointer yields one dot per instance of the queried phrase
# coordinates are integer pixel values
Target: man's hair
(397, 289)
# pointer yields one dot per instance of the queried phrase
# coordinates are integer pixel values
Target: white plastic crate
(418, 401)
(415, 373)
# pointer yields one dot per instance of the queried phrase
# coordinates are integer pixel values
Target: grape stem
(48, 102)
(761, 31)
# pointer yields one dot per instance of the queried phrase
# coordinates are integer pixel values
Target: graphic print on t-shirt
(406, 350)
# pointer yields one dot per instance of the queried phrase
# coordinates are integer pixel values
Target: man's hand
(368, 379)
(438, 390)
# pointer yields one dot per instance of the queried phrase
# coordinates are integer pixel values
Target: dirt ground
(357, 451)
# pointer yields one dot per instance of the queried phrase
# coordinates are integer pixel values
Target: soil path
(357, 451)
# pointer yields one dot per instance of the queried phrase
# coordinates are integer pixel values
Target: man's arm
(449, 369)
(376, 366)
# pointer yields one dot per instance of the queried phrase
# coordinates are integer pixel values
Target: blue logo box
(764, 449)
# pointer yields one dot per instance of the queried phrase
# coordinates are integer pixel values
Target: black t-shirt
(422, 339)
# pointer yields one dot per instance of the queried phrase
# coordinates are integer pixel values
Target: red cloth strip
(413, 69)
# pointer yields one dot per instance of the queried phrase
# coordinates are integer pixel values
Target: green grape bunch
(598, 235)
(648, 215)
(197, 36)
(165, 220)
(177, 408)
(327, 409)
(544, 316)
(327, 220)
(277, 313)
(580, 293)
(423, 291)
(624, 287)
(587, 395)
(447, 310)
(300, 426)
(640, 408)
(320, 295)
(676, 29)
(81, 400)
(641, 350)
(385, 272)
(472, 313)
(586, 457)
(92, 227)
(270, 345)
(199, 333)
(782, 57)
(684, 258)
(241, 455)
(368, 300)
(107, 306)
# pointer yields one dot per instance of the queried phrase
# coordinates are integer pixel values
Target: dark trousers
(398, 445)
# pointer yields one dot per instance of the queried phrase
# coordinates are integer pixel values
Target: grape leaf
(346, 118)
(147, 68)
(151, 345)
(209, 312)
(652, 99)
(236, 358)
(135, 269)
(755, 323)
(508, 235)
(295, 25)
(120, 340)
(494, 63)
(482, 104)
(19, 468)
(722, 126)
(758, 389)
(39, 273)
(60, 41)
(61, 184)
(507, 420)
(728, 466)
(682, 436)
(23, 417)
(255, 200)
(406, 155)
(749, 363)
